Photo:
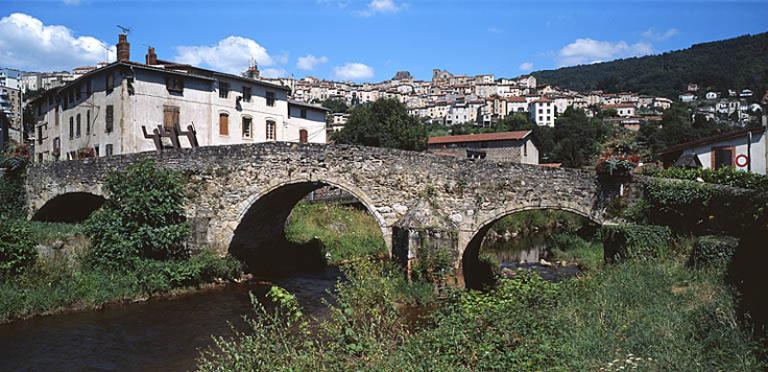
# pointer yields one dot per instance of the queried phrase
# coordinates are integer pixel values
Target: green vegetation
(137, 251)
(346, 233)
(142, 218)
(577, 138)
(336, 105)
(383, 123)
(635, 242)
(657, 315)
(713, 250)
(676, 126)
(572, 248)
(724, 176)
(688, 206)
(738, 63)
(17, 251)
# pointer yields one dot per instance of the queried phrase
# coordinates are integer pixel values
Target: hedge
(713, 250)
(723, 176)
(630, 241)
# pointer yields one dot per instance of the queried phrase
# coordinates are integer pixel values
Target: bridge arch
(262, 218)
(469, 247)
(70, 207)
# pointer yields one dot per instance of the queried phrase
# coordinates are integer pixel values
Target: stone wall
(259, 184)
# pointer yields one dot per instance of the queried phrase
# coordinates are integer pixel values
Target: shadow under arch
(259, 239)
(71, 207)
(476, 274)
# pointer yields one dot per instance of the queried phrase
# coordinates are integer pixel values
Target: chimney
(123, 49)
(151, 58)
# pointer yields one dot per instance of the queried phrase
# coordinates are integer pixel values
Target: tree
(383, 123)
(142, 218)
(577, 138)
(336, 105)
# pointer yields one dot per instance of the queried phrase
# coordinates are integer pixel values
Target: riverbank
(645, 314)
(60, 281)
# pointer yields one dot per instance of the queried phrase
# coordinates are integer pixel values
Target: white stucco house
(743, 149)
(106, 111)
(542, 112)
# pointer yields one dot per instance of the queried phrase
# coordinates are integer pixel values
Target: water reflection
(528, 252)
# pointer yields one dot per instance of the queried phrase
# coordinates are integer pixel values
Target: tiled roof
(501, 136)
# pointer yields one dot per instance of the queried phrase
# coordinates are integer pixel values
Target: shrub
(17, 250)
(143, 217)
(700, 207)
(630, 241)
(160, 276)
(713, 250)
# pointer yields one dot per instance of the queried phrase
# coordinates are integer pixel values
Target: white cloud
(232, 54)
(274, 72)
(526, 66)
(381, 6)
(27, 44)
(659, 36)
(353, 71)
(308, 62)
(585, 51)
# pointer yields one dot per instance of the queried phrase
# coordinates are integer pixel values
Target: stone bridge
(240, 196)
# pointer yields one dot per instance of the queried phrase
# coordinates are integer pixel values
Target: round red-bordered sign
(742, 160)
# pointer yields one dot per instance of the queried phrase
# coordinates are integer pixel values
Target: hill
(738, 63)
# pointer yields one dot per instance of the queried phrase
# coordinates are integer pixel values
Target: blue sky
(366, 40)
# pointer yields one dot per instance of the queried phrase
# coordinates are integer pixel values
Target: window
(270, 98)
(56, 116)
(541, 111)
(174, 84)
(247, 127)
(223, 124)
(88, 122)
(88, 87)
(303, 113)
(247, 94)
(722, 157)
(170, 117)
(40, 135)
(71, 127)
(109, 119)
(110, 82)
(223, 89)
(56, 147)
(525, 149)
(71, 95)
(77, 92)
(96, 150)
(109, 149)
(77, 126)
(270, 130)
(303, 136)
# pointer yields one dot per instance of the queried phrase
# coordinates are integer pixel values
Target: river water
(157, 335)
(167, 334)
(526, 252)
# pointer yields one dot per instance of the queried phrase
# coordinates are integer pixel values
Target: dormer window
(174, 84)
(223, 89)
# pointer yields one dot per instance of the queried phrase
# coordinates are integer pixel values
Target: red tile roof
(620, 105)
(501, 136)
(516, 99)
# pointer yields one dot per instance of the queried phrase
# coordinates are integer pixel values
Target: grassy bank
(527, 222)
(67, 282)
(346, 232)
(653, 315)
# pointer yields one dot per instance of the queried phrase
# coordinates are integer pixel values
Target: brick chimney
(123, 49)
(151, 58)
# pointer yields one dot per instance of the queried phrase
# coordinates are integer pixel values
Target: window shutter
(303, 136)
(223, 124)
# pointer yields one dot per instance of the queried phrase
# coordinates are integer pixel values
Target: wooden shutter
(170, 117)
(303, 136)
(223, 124)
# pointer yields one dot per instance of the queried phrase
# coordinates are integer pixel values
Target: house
(542, 112)
(743, 149)
(112, 109)
(623, 110)
(515, 146)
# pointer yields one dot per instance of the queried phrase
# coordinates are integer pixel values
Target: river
(167, 334)
(157, 335)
